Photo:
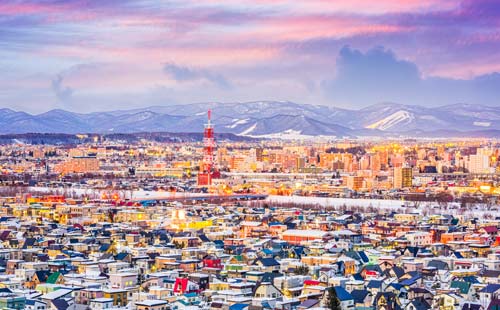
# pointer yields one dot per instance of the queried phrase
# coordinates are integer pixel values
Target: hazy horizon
(236, 103)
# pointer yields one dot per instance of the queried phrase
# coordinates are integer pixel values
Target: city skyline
(89, 56)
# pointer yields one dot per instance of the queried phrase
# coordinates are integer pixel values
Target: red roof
(490, 229)
(311, 282)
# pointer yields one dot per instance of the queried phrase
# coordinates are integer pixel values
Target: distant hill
(267, 118)
(68, 139)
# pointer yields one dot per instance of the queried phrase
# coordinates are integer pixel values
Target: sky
(94, 55)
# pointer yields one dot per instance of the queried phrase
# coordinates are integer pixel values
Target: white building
(478, 164)
(419, 238)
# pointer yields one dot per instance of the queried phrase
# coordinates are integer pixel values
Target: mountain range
(268, 119)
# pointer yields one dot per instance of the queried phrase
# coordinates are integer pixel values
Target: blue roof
(397, 286)
(412, 280)
(408, 282)
(374, 284)
(471, 279)
(60, 304)
(490, 288)
(104, 247)
(363, 256)
(238, 306)
(308, 303)
(121, 256)
(269, 262)
(342, 294)
(359, 295)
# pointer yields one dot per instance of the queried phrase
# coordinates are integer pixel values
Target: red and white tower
(207, 167)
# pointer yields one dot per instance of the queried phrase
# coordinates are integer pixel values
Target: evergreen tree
(332, 302)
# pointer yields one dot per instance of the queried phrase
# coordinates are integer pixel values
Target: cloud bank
(344, 53)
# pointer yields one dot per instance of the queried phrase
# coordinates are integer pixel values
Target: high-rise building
(258, 154)
(407, 177)
(375, 162)
(301, 163)
(478, 163)
(354, 182)
(364, 162)
(403, 177)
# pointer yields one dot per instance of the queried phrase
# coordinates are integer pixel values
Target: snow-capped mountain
(265, 118)
(398, 118)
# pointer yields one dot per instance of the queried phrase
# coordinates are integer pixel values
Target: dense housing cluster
(107, 224)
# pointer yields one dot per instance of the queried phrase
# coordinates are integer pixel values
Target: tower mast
(207, 167)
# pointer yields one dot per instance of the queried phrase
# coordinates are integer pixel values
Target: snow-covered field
(291, 134)
(427, 208)
(123, 194)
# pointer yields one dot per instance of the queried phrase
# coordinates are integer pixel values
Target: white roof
(305, 233)
(250, 223)
(56, 294)
(123, 274)
(151, 302)
(343, 232)
(102, 299)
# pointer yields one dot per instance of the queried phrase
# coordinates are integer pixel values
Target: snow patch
(237, 122)
(248, 130)
(392, 120)
(291, 134)
(286, 134)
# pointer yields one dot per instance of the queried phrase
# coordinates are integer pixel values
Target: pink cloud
(361, 7)
(50, 13)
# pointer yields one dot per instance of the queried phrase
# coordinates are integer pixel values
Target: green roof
(239, 258)
(52, 279)
(461, 285)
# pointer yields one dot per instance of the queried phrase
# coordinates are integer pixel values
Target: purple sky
(117, 54)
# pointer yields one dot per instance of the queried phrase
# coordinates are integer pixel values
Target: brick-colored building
(80, 164)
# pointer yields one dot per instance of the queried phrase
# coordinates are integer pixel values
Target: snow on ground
(478, 210)
(386, 205)
(124, 194)
(291, 134)
(327, 201)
